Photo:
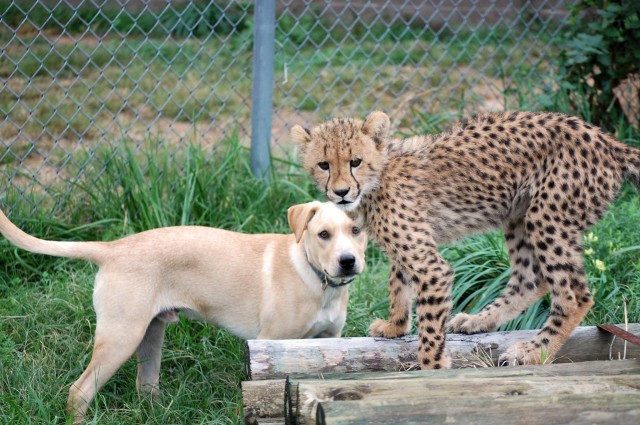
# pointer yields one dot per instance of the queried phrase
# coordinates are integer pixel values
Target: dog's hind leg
(115, 343)
(149, 354)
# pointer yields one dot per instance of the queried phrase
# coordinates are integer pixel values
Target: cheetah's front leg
(401, 294)
(431, 277)
(433, 307)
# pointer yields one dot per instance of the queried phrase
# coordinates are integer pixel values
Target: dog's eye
(356, 162)
(355, 230)
(324, 235)
(324, 165)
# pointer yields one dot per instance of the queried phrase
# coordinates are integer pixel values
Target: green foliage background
(600, 52)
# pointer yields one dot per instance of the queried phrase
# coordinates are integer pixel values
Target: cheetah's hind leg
(524, 288)
(559, 251)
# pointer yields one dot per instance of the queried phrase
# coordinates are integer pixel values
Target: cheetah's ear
(300, 215)
(300, 135)
(377, 125)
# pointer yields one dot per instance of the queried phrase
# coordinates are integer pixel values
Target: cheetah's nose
(341, 192)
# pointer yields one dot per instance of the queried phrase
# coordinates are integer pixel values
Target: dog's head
(334, 243)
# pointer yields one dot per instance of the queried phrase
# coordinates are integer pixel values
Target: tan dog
(257, 286)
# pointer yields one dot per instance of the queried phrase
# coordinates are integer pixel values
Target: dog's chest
(331, 315)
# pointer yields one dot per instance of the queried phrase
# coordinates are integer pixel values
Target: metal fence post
(262, 91)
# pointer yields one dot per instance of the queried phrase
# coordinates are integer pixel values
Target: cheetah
(543, 178)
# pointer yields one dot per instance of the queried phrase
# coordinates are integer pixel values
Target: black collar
(326, 280)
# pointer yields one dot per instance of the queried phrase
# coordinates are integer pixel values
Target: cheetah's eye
(355, 230)
(324, 234)
(356, 162)
(324, 165)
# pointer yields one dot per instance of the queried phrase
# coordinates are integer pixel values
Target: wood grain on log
(444, 387)
(567, 409)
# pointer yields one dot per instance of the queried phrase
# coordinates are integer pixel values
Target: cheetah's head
(345, 157)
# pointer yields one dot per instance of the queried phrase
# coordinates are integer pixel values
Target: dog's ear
(299, 216)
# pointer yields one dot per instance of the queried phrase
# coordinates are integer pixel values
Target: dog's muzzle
(334, 282)
(347, 264)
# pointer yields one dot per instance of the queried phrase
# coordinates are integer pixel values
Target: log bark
(589, 368)
(281, 358)
(444, 386)
(571, 409)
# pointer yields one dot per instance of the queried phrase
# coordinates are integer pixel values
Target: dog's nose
(347, 261)
(341, 192)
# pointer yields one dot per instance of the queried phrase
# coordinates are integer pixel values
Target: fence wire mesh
(81, 77)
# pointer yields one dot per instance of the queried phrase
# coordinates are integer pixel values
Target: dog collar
(326, 280)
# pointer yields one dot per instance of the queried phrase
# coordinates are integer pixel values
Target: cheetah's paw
(523, 353)
(470, 324)
(382, 328)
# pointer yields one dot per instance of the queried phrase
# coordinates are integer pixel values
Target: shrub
(599, 56)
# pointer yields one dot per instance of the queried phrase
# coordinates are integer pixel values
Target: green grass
(47, 320)
(46, 315)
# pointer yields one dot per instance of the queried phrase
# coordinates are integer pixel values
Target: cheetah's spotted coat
(541, 177)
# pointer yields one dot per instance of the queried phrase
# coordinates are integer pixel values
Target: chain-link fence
(80, 76)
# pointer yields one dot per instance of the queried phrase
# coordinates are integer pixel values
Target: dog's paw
(150, 389)
(382, 328)
(523, 353)
(470, 324)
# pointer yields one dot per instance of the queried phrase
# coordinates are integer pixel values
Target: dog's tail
(89, 251)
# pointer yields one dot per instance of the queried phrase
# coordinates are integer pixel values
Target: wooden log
(567, 409)
(281, 358)
(263, 401)
(444, 386)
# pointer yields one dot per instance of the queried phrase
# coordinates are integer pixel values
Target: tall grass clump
(155, 187)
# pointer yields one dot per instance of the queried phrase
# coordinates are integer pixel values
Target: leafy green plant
(598, 55)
